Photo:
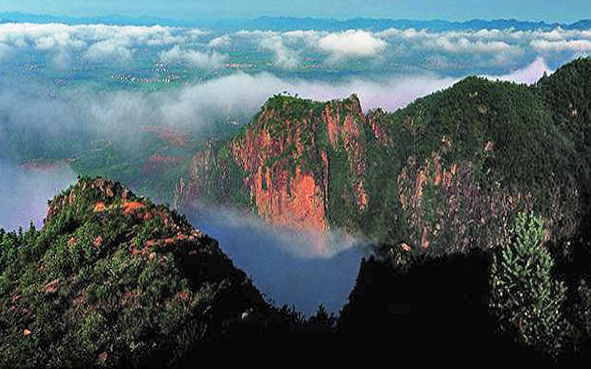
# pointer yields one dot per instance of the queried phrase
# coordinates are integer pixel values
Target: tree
(322, 321)
(525, 298)
(580, 313)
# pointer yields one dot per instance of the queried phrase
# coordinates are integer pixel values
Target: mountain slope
(113, 280)
(567, 93)
(449, 171)
(465, 161)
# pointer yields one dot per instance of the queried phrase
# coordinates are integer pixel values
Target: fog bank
(24, 193)
(287, 265)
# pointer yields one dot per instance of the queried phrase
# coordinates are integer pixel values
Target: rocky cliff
(449, 171)
(293, 165)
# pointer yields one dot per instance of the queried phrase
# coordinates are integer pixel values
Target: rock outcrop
(283, 162)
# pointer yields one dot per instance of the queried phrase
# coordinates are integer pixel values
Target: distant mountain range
(287, 24)
(294, 23)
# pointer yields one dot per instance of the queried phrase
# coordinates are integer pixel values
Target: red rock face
(200, 166)
(287, 166)
(293, 201)
(284, 193)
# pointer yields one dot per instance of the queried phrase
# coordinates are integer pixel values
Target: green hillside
(112, 280)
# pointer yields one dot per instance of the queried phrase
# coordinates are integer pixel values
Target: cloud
(294, 267)
(241, 95)
(220, 42)
(25, 192)
(204, 60)
(284, 57)
(351, 44)
(237, 96)
(289, 46)
(286, 47)
(545, 46)
(4, 51)
(464, 45)
(528, 75)
(95, 42)
(492, 48)
(108, 50)
(478, 46)
(474, 48)
(196, 33)
(452, 49)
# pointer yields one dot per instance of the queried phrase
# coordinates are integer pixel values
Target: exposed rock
(285, 167)
(52, 286)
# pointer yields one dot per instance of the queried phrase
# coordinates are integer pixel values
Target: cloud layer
(351, 44)
(78, 111)
(92, 42)
(292, 50)
(196, 58)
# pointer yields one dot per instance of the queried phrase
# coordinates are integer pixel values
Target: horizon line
(263, 16)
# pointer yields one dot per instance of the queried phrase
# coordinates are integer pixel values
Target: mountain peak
(135, 277)
(579, 65)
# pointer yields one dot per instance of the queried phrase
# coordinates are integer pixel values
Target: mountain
(444, 301)
(284, 24)
(449, 171)
(279, 165)
(567, 94)
(441, 301)
(19, 17)
(582, 24)
(438, 25)
(113, 280)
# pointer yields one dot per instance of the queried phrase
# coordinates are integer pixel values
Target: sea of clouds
(209, 50)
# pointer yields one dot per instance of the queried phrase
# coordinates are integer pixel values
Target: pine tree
(525, 298)
(581, 313)
(323, 321)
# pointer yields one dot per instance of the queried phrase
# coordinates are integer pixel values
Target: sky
(534, 10)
